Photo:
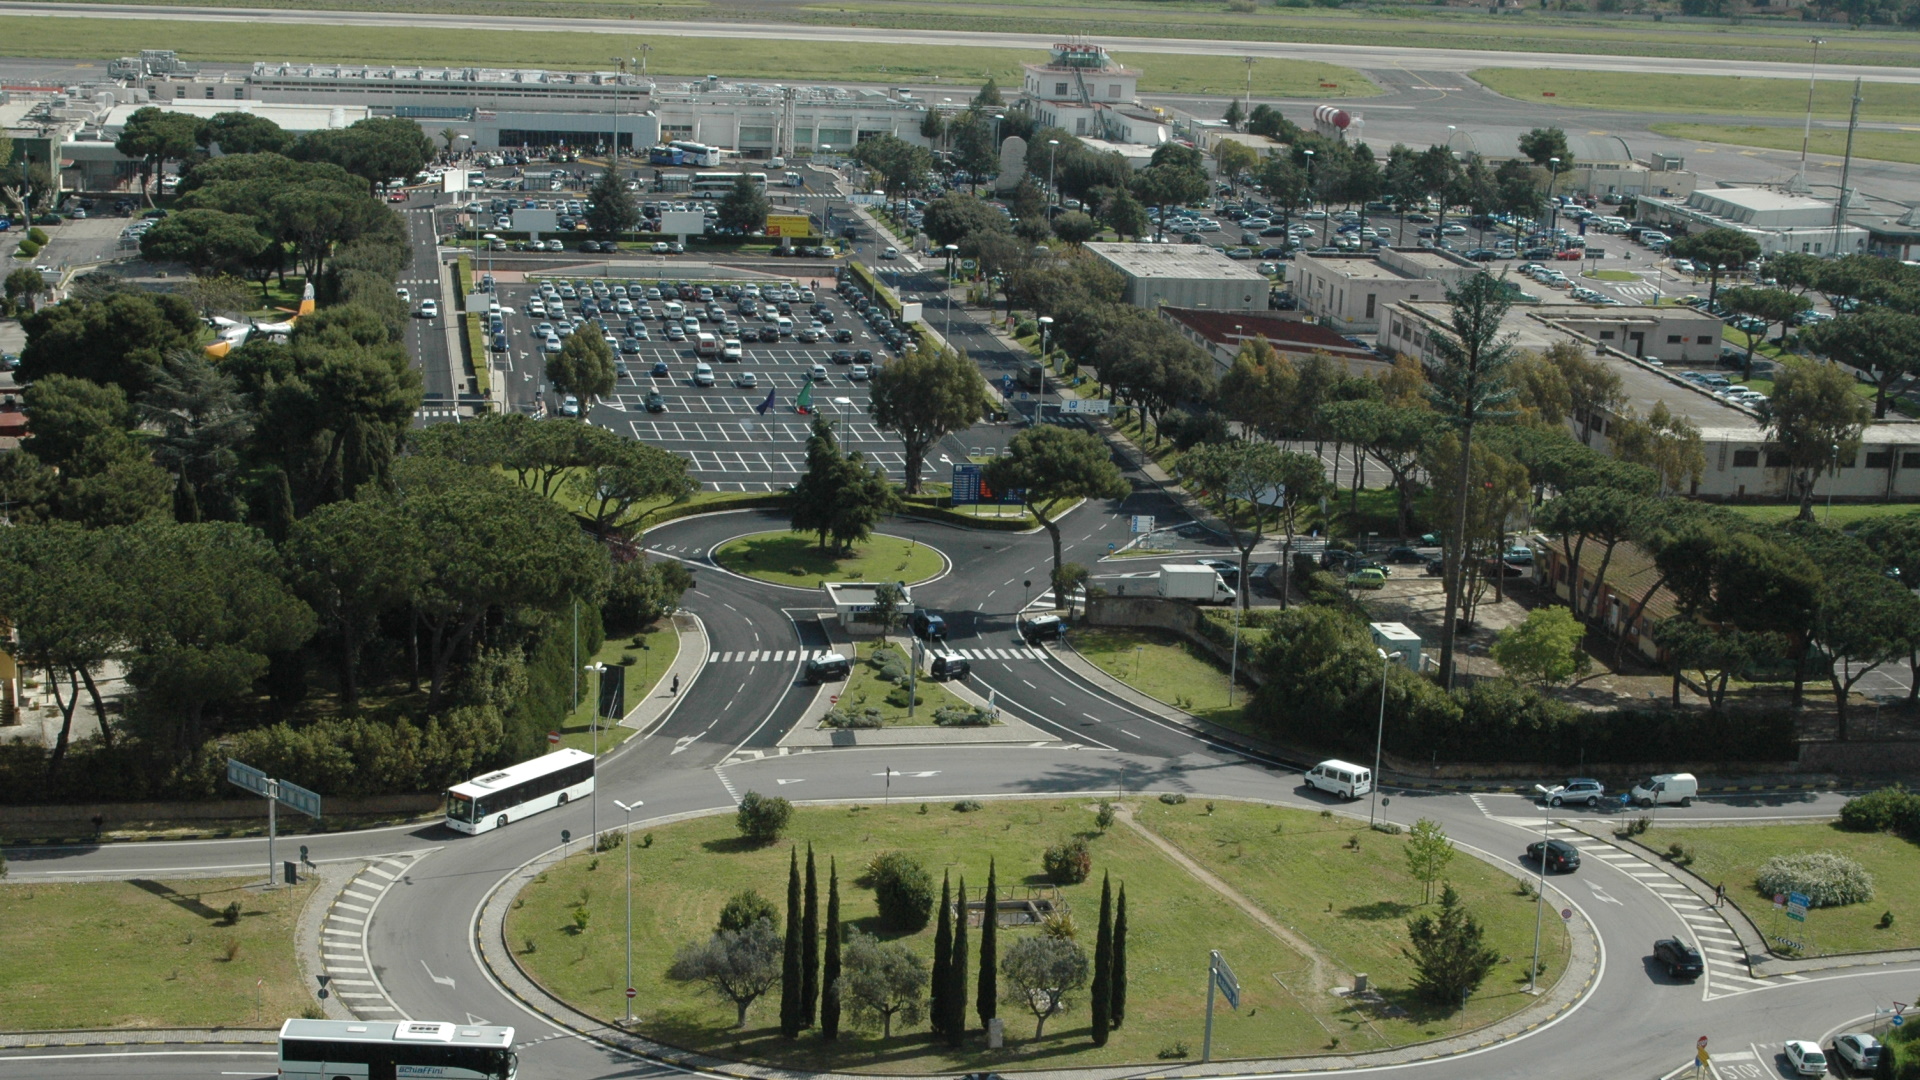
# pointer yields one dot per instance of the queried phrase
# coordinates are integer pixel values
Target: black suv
(1681, 959)
(1560, 856)
(828, 666)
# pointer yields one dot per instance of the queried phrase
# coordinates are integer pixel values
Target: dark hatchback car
(1681, 960)
(1560, 856)
(1405, 556)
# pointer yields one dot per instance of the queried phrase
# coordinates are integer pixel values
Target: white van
(1336, 777)
(706, 345)
(786, 326)
(1669, 789)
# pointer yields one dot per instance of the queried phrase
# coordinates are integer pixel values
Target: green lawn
(865, 690)
(1292, 863)
(1720, 95)
(1353, 904)
(1844, 514)
(1611, 275)
(825, 61)
(1164, 666)
(645, 667)
(787, 558)
(1903, 146)
(149, 954)
(1733, 855)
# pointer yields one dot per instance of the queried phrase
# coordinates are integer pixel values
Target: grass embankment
(822, 61)
(645, 667)
(865, 690)
(1734, 854)
(787, 558)
(1721, 95)
(1903, 146)
(1845, 515)
(149, 954)
(1351, 904)
(1168, 668)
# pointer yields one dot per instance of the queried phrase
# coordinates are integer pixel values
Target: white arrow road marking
(472, 1019)
(683, 742)
(922, 775)
(789, 781)
(443, 980)
(1601, 894)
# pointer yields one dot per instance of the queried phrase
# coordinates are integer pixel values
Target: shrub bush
(27, 249)
(1068, 862)
(762, 818)
(1172, 798)
(850, 717)
(745, 908)
(900, 696)
(1891, 809)
(37, 235)
(967, 806)
(1827, 878)
(962, 716)
(903, 890)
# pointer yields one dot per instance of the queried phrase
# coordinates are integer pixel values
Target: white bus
(720, 183)
(519, 790)
(383, 1050)
(699, 154)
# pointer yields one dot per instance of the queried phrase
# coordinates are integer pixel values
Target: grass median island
(865, 689)
(149, 954)
(1721, 95)
(1733, 855)
(1903, 146)
(788, 558)
(684, 874)
(645, 667)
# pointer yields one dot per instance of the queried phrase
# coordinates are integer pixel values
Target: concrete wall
(249, 810)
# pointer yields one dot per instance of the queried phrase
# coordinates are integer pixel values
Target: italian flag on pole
(804, 403)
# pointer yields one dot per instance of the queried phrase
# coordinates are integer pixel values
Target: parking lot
(721, 429)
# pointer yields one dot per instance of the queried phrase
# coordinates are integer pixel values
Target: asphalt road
(1367, 56)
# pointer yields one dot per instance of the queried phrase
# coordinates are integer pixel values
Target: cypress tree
(1118, 1006)
(1102, 992)
(937, 1015)
(986, 1000)
(790, 968)
(810, 945)
(956, 999)
(830, 963)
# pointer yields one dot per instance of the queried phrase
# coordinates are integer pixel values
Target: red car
(1570, 255)
(398, 196)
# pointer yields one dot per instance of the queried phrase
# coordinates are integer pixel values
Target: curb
(45, 1040)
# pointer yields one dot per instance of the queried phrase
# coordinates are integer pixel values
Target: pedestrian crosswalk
(1728, 972)
(780, 656)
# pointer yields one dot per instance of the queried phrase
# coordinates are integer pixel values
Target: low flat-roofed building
(1351, 292)
(1780, 221)
(1184, 275)
(1222, 333)
(1895, 238)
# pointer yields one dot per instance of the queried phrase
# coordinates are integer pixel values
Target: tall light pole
(1046, 324)
(593, 800)
(621, 61)
(627, 842)
(1833, 481)
(1448, 145)
(1553, 222)
(1380, 732)
(644, 50)
(1053, 194)
(1540, 895)
(1249, 63)
(1806, 134)
(1309, 157)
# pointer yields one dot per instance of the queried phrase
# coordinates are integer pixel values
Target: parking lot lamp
(1380, 732)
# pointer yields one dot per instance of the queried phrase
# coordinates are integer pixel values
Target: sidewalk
(688, 664)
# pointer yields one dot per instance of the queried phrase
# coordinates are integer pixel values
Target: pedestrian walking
(676, 684)
(1720, 894)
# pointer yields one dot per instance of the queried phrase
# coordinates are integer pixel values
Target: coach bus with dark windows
(700, 154)
(517, 791)
(666, 155)
(385, 1050)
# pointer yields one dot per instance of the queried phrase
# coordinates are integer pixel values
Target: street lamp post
(1046, 324)
(593, 799)
(1380, 732)
(1540, 896)
(627, 842)
(1323, 228)
(1833, 481)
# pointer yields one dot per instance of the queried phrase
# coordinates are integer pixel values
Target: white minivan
(1336, 777)
(1668, 789)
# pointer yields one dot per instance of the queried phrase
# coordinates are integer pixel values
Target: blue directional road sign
(293, 795)
(246, 776)
(1797, 907)
(1223, 978)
